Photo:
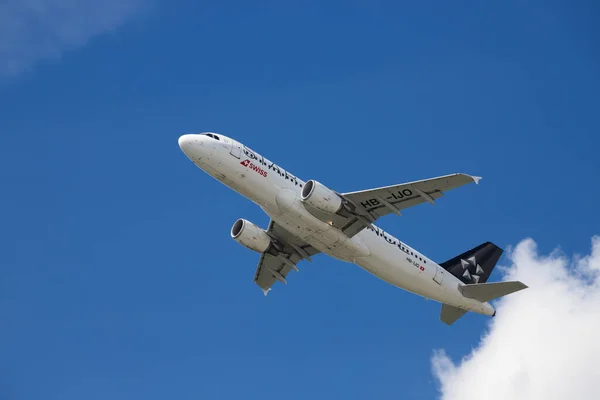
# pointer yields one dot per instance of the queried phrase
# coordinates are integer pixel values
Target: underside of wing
(393, 199)
(271, 267)
(366, 206)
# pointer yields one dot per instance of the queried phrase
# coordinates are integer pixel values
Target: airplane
(308, 218)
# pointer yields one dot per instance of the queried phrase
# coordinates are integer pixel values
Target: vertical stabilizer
(475, 265)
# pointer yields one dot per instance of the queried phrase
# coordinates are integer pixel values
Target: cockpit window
(210, 135)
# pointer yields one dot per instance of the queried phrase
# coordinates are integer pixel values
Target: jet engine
(321, 197)
(251, 236)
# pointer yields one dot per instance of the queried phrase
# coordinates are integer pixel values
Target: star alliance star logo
(468, 266)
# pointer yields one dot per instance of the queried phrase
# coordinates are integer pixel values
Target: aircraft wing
(369, 205)
(272, 268)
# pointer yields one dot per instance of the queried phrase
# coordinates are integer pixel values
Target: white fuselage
(277, 192)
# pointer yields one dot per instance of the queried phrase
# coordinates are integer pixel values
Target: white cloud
(32, 30)
(544, 342)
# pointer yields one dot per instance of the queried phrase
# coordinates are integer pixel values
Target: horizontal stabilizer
(490, 291)
(450, 314)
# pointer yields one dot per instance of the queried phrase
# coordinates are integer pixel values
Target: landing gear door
(236, 149)
(439, 275)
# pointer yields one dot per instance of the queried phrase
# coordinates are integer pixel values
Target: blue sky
(119, 278)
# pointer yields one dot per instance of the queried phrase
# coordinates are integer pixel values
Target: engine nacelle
(251, 236)
(321, 197)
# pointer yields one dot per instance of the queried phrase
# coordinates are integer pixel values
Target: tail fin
(475, 265)
(490, 291)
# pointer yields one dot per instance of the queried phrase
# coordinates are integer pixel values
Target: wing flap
(272, 268)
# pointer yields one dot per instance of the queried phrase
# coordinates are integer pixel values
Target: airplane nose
(186, 142)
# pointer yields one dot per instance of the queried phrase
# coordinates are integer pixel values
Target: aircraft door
(439, 275)
(236, 149)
